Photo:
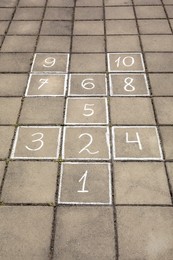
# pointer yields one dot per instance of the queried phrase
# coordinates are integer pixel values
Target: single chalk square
(50, 63)
(86, 111)
(85, 183)
(86, 143)
(36, 142)
(136, 143)
(125, 62)
(128, 85)
(87, 85)
(46, 85)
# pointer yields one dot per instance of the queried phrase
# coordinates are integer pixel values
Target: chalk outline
(89, 98)
(52, 71)
(131, 95)
(12, 155)
(136, 158)
(50, 95)
(86, 203)
(107, 136)
(129, 53)
(87, 95)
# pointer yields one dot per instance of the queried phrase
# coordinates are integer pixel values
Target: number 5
(88, 109)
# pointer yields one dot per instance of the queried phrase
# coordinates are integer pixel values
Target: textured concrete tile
(15, 62)
(169, 10)
(157, 42)
(141, 183)
(147, 2)
(56, 28)
(61, 3)
(171, 21)
(28, 232)
(58, 14)
(123, 43)
(136, 143)
(150, 12)
(53, 44)
(6, 13)
(1, 39)
(2, 167)
(19, 44)
(119, 13)
(3, 26)
(9, 109)
(159, 62)
(32, 3)
(6, 133)
(9, 3)
(150, 232)
(13, 84)
(88, 44)
(161, 84)
(89, 13)
(36, 142)
(85, 143)
(85, 183)
(164, 107)
(89, 3)
(28, 14)
(87, 85)
(88, 63)
(118, 2)
(167, 2)
(88, 28)
(30, 182)
(96, 241)
(170, 174)
(121, 27)
(24, 27)
(45, 110)
(167, 139)
(86, 111)
(154, 26)
(123, 111)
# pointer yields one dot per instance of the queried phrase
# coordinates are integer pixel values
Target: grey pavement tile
(15, 62)
(58, 14)
(88, 63)
(13, 84)
(118, 2)
(32, 3)
(61, 3)
(56, 28)
(28, 232)
(6, 133)
(30, 182)
(164, 107)
(89, 13)
(150, 12)
(3, 27)
(94, 242)
(123, 43)
(9, 3)
(45, 110)
(150, 230)
(154, 26)
(24, 27)
(9, 110)
(119, 12)
(167, 139)
(141, 183)
(147, 2)
(85, 183)
(171, 21)
(161, 84)
(157, 42)
(121, 27)
(28, 14)
(170, 174)
(2, 167)
(54, 44)
(167, 2)
(1, 39)
(6, 13)
(88, 28)
(169, 10)
(159, 62)
(123, 111)
(89, 3)
(88, 44)
(19, 44)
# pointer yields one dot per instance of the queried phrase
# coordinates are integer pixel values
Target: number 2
(85, 148)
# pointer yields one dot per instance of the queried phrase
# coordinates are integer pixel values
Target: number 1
(84, 177)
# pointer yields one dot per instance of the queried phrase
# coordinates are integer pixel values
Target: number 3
(36, 140)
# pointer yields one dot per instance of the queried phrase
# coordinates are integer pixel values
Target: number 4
(138, 141)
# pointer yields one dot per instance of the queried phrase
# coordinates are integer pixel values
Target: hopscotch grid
(83, 203)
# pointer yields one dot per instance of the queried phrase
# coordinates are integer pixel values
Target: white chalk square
(136, 143)
(85, 183)
(46, 85)
(87, 111)
(125, 62)
(36, 142)
(125, 84)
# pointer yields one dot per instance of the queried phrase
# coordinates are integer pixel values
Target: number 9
(49, 62)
